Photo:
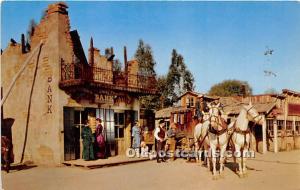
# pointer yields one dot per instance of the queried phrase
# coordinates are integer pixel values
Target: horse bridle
(247, 111)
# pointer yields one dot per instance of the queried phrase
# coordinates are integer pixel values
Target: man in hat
(160, 137)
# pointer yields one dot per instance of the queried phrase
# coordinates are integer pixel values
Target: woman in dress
(100, 139)
(136, 134)
(88, 139)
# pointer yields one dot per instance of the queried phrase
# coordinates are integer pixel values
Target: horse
(241, 134)
(6, 153)
(218, 137)
(201, 139)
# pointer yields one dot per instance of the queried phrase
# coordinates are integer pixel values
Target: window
(270, 127)
(119, 125)
(280, 126)
(289, 127)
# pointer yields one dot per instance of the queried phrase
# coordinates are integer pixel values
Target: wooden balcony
(90, 80)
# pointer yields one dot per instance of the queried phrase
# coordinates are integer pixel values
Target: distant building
(281, 111)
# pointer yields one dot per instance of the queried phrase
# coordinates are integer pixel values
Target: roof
(287, 91)
(163, 113)
(227, 101)
(260, 107)
(166, 112)
(190, 92)
(199, 95)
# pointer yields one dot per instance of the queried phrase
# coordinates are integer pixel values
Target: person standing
(100, 139)
(171, 141)
(88, 139)
(160, 137)
(136, 134)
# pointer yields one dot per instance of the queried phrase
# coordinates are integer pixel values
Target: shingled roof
(235, 109)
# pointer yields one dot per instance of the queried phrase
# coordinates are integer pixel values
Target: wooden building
(51, 88)
(281, 112)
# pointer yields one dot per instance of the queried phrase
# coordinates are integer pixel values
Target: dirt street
(270, 171)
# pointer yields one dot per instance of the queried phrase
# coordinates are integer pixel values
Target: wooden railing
(79, 72)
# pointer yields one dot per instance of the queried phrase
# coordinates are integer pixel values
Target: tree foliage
(117, 66)
(231, 88)
(156, 101)
(271, 91)
(179, 79)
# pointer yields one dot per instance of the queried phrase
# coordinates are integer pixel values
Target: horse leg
(239, 156)
(207, 157)
(214, 161)
(245, 153)
(222, 160)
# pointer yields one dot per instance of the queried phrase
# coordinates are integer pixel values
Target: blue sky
(218, 40)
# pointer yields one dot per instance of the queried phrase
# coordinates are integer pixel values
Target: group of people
(93, 144)
(165, 141)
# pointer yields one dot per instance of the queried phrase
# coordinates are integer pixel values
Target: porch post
(264, 134)
(294, 124)
(80, 128)
(275, 140)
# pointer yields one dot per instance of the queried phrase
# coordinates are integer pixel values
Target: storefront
(60, 88)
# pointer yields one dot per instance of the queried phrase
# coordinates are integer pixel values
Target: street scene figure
(171, 134)
(87, 141)
(160, 137)
(136, 134)
(100, 140)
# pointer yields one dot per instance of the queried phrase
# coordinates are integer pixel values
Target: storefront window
(289, 127)
(119, 125)
(270, 127)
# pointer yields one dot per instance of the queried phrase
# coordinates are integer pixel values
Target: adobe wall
(44, 139)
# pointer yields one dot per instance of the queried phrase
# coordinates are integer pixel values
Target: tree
(156, 101)
(31, 28)
(179, 79)
(144, 57)
(271, 91)
(117, 66)
(231, 88)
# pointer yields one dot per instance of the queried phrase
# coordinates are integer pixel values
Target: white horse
(241, 134)
(218, 138)
(201, 139)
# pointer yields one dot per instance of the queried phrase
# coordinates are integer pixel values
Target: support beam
(264, 134)
(275, 140)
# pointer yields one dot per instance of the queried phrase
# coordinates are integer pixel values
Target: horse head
(215, 115)
(252, 114)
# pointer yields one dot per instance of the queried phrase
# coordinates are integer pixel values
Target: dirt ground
(270, 171)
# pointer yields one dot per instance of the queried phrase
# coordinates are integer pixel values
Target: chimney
(111, 50)
(91, 52)
(23, 43)
(126, 65)
(125, 60)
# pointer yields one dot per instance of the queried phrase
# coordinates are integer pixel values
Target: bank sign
(104, 99)
(112, 100)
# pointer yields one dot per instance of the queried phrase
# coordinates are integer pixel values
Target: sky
(218, 40)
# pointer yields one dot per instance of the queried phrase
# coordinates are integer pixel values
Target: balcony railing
(72, 73)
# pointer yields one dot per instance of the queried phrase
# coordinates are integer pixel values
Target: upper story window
(190, 102)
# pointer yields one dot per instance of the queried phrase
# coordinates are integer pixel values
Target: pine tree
(144, 57)
(179, 79)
